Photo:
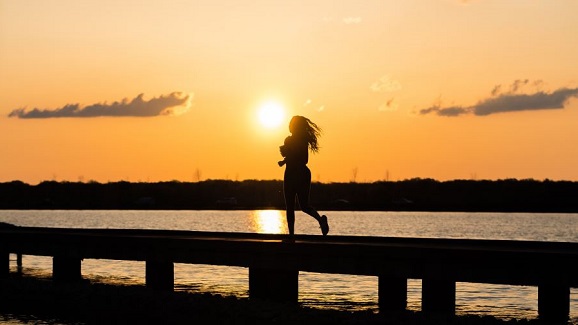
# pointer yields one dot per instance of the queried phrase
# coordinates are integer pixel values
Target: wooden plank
(438, 295)
(66, 269)
(273, 284)
(392, 293)
(554, 303)
(160, 275)
(4, 264)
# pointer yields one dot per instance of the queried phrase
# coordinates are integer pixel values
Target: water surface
(344, 292)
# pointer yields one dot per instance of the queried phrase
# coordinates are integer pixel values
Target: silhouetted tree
(414, 194)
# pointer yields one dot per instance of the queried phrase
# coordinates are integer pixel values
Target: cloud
(511, 101)
(309, 102)
(385, 84)
(522, 102)
(352, 20)
(447, 111)
(175, 103)
(517, 84)
(389, 105)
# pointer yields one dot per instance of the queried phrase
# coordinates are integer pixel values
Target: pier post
(554, 303)
(66, 269)
(438, 295)
(160, 275)
(4, 264)
(392, 293)
(19, 263)
(274, 284)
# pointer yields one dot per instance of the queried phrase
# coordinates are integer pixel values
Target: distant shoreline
(509, 195)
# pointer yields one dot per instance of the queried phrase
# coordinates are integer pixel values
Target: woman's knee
(308, 209)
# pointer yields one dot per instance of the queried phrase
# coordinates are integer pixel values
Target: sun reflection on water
(268, 222)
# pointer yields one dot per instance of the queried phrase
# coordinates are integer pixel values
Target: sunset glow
(195, 90)
(269, 222)
(271, 115)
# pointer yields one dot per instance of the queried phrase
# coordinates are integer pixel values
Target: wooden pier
(274, 263)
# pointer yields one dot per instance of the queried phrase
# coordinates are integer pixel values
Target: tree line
(510, 195)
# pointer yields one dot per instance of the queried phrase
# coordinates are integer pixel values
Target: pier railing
(274, 262)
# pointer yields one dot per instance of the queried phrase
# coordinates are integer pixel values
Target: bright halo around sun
(271, 114)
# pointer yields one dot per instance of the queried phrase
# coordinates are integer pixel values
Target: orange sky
(443, 89)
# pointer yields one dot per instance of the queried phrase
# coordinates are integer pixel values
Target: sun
(271, 114)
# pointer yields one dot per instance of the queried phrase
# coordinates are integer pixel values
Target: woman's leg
(303, 195)
(304, 203)
(289, 192)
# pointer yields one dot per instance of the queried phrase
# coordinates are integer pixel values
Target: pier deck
(274, 263)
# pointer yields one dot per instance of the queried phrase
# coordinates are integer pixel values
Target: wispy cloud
(386, 85)
(352, 20)
(513, 100)
(309, 102)
(175, 103)
(389, 105)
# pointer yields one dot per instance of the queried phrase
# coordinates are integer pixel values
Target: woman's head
(302, 126)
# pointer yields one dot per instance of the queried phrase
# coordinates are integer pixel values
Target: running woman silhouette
(297, 178)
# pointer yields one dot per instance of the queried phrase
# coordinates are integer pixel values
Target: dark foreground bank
(38, 300)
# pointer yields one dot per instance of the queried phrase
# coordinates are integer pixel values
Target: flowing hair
(304, 127)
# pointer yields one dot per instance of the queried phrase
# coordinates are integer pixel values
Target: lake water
(344, 292)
